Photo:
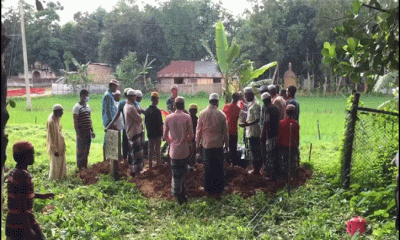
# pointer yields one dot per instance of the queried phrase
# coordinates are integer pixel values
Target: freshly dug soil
(157, 183)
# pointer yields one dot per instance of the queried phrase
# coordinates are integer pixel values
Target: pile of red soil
(157, 183)
(22, 91)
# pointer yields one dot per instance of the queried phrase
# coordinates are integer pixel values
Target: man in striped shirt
(20, 221)
(83, 128)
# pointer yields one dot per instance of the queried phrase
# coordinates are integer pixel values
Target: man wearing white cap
(212, 135)
(178, 132)
(269, 135)
(109, 110)
(253, 130)
(139, 96)
(56, 144)
(120, 111)
(133, 124)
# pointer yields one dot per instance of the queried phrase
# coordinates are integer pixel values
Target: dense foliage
(283, 31)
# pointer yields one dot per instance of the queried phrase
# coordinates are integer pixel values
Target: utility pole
(27, 84)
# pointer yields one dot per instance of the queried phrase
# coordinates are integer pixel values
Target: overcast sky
(72, 6)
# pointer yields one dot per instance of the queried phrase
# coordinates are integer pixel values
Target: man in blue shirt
(120, 110)
(109, 110)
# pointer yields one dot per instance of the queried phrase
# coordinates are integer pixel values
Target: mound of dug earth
(157, 183)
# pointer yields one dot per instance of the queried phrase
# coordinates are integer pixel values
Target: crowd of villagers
(271, 132)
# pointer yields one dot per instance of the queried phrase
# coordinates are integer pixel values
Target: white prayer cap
(139, 93)
(57, 107)
(180, 99)
(214, 96)
(117, 92)
(248, 90)
(290, 107)
(126, 90)
(265, 95)
(131, 92)
(114, 81)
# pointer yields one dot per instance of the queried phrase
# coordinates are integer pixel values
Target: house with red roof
(191, 77)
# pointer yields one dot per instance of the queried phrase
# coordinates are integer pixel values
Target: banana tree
(145, 67)
(226, 59)
(74, 78)
(247, 74)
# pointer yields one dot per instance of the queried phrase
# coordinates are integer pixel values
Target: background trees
(286, 31)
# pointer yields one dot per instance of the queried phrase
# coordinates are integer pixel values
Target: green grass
(117, 210)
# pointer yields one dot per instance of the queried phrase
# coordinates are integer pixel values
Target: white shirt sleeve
(76, 108)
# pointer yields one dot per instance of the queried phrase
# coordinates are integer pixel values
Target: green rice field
(117, 210)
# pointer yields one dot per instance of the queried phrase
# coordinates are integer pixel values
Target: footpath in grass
(119, 210)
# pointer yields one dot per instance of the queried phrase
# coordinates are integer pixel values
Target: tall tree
(122, 32)
(282, 31)
(42, 35)
(365, 50)
(83, 35)
(185, 23)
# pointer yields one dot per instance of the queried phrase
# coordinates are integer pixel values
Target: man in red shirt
(288, 140)
(232, 111)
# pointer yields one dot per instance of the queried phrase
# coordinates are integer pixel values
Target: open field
(117, 210)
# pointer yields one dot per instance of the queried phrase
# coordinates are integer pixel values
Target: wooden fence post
(348, 144)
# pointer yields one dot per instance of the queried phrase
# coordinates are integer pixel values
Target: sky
(236, 7)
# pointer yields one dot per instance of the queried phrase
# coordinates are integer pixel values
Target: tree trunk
(325, 84)
(4, 114)
(365, 87)
(339, 83)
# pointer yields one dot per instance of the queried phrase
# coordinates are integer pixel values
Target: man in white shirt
(253, 129)
(212, 135)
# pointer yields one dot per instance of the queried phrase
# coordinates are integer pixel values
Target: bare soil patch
(157, 183)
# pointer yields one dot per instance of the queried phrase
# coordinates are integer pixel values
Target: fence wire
(375, 143)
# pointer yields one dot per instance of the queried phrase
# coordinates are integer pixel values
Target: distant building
(40, 75)
(191, 77)
(101, 72)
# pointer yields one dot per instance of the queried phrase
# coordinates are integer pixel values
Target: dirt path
(157, 184)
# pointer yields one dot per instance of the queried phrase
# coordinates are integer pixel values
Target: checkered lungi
(135, 158)
(179, 169)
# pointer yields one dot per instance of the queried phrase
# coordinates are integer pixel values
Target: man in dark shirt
(291, 90)
(232, 112)
(154, 126)
(269, 134)
(193, 115)
(171, 100)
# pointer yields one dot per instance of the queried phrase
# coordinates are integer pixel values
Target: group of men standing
(271, 131)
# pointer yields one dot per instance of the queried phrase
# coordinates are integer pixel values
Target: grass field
(117, 210)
